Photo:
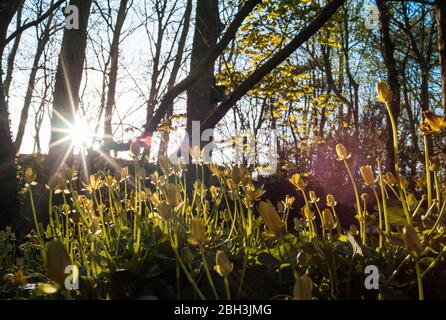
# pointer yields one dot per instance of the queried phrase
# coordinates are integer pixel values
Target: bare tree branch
(35, 22)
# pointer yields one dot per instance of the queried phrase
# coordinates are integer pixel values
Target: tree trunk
(113, 74)
(164, 143)
(440, 13)
(31, 82)
(199, 94)
(388, 50)
(8, 180)
(12, 55)
(66, 88)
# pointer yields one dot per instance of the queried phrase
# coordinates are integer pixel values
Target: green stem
(293, 268)
(397, 171)
(208, 274)
(380, 217)
(228, 290)
(358, 204)
(428, 172)
(419, 280)
(36, 224)
(384, 198)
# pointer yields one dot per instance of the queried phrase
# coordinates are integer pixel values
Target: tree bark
(31, 82)
(216, 51)
(8, 180)
(387, 51)
(12, 55)
(66, 89)
(199, 94)
(113, 74)
(164, 143)
(440, 13)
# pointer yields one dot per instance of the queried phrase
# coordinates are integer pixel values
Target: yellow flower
(342, 152)
(434, 164)
(390, 178)
(411, 200)
(367, 175)
(288, 202)
(198, 231)
(223, 265)
(30, 176)
(153, 197)
(412, 242)
(298, 181)
(404, 184)
(432, 122)
(308, 213)
(331, 202)
(173, 194)
(57, 260)
(214, 192)
(303, 288)
(313, 197)
(94, 184)
(253, 194)
(274, 224)
(215, 170)
(328, 220)
(383, 91)
(110, 181)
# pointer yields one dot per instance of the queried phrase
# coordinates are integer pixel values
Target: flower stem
(428, 172)
(358, 204)
(228, 290)
(419, 280)
(208, 274)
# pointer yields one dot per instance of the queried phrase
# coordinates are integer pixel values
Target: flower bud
(404, 184)
(223, 265)
(274, 224)
(331, 202)
(367, 175)
(328, 220)
(342, 152)
(303, 288)
(364, 196)
(390, 179)
(298, 181)
(30, 175)
(412, 242)
(308, 213)
(57, 260)
(173, 194)
(198, 231)
(135, 149)
(313, 197)
(383, 91)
